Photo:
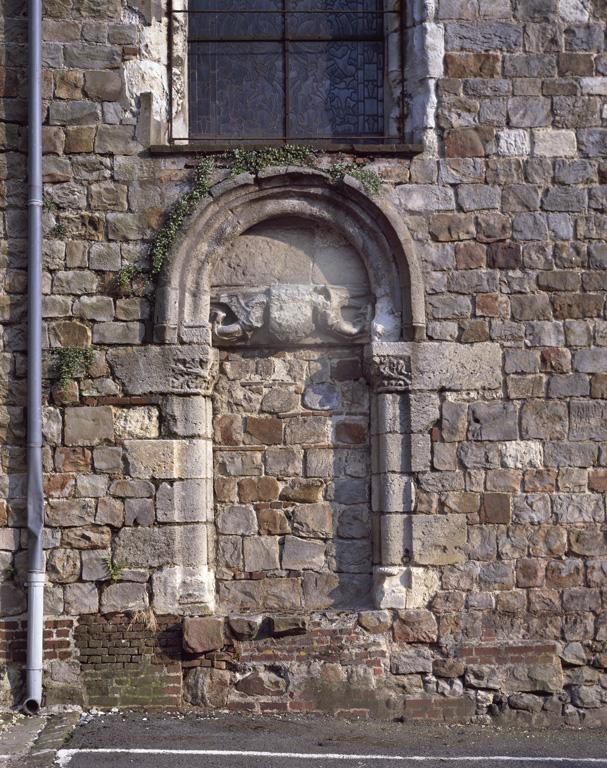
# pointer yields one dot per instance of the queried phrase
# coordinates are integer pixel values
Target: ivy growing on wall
(71, 362)
(255, 160)
(238, 161)
(369, 179)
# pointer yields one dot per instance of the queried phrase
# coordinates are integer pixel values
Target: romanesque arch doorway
(289, 303)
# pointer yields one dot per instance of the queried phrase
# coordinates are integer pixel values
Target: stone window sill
(403, 150)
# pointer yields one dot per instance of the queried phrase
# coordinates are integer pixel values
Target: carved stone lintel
(391, 373)
(180, 369)
(289, 314)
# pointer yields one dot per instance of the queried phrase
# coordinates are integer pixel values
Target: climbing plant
(369, 179)
(238, 160)
(71, 362)
(255, 160)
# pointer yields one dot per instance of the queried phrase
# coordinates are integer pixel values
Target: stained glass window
(286, 69)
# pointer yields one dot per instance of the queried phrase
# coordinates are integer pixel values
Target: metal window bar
(343, 141)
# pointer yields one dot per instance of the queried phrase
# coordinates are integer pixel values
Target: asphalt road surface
(127, 740)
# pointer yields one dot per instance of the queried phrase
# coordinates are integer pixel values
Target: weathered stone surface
(237, 520)
(317, 397)
(375, 622)
(299, 554)
(245, 627)
(185, 501)
(415, 626)
(273, 522)
(497, 421)
(262, 683)
(588, 420)
(438, 540)
(136, 423)
(283, 626)
(63, 565)
(178, 370)
(272, 594)
(186, 590)
(261, 553)
(207, 687)
(88, 425)
(203, 634)
(188, 416)
(540, 419)
(12, 599)
(87, 537)
(183, 545)
(411, 661)
(168, 459)
(127, 596)
(313, 520)
(449, 366)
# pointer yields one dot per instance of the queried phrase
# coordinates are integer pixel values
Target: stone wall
(245, 581)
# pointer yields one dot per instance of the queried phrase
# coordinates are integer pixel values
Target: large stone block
(438, 539)
(80, 599)
(189, 416)
(396, 543)
(546, 420)
(392, 493)
(88, 425)
(136, 423)
(300, 554)
(185, 501)
(261, 553)
(164, 369)
(579, 508)
(185, 590)
(483, 36)
(404, 587)
(201, 635)
(150, 547)
(313, 520)
(411, 661)
(63, 565)
(269, 594)
(87, 537)
(588, 420)
(237, 520)
(493, 421)
(207, 687)
(124, 596)
(325, 590)
(445, 365)
(169, 459)
(70, 512)
(12, 599)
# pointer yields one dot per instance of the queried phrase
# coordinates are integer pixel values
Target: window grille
(280, 71)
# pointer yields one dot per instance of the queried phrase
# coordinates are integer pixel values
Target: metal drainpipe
(35, 498)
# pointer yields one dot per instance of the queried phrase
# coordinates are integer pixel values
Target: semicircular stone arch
(283, 331)
(370, 225)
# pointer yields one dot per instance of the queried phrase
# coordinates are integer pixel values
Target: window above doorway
(323, 72)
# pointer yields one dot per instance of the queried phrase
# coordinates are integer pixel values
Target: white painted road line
(64, 756)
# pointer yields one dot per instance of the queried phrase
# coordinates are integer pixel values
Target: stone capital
(391, 373)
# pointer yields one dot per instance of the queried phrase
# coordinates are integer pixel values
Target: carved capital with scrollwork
(391, 373)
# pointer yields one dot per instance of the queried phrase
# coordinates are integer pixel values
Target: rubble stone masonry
(349, 453)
